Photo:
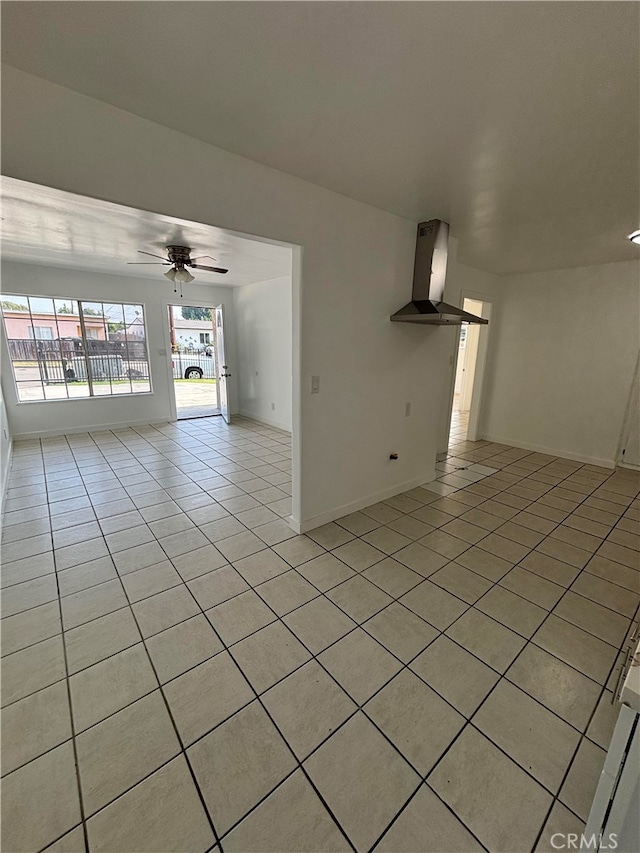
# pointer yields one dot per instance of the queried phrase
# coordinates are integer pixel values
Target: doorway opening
(472, 347)
(194, 364)
(261, 297)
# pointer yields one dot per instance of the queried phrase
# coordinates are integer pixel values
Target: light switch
(315, 384)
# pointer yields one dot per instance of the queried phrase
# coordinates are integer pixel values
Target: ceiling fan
(178, 258)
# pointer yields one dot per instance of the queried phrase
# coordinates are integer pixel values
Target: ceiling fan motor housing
(179, 255)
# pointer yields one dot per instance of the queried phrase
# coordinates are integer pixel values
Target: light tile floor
(459, 422)
(183, 673)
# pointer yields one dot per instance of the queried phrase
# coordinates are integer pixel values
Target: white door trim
(221, 356)
(478, 382)
(173, 408)
(475, 408)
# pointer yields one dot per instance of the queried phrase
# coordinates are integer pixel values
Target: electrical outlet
(315, 384)
(407, 409)
(162, 352)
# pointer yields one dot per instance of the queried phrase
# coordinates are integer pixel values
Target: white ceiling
(50, 227)
(517, 122)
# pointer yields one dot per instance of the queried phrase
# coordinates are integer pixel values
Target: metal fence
(57, 361)
(32, 350)
(66, 359)
(27, 349)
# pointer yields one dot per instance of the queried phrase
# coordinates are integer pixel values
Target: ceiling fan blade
(148, 263)
(209, 269)
(200, 257)
(151, 255)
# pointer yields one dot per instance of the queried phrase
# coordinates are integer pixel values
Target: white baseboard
(361, 503)
(266, 421)
(550, 451)
(50, 433)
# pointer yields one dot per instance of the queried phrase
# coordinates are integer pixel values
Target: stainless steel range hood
(429, 274)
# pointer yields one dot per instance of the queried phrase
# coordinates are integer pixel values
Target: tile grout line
(182, 750)
(394, 599)
(257, 696)
(360, 572)
(583, 734)
(70, 710)
(528, 639)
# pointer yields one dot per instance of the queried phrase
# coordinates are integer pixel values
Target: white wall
(563, 350)
(51, 417)
(5, 448)
(264, 327)
(562, 346)
(356, 270)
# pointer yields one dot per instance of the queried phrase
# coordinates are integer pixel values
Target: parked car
(193, 365)
(102, 367)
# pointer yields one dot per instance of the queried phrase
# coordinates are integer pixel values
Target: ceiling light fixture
(183, 275)
(178, 258)
(635, 237)
(179, 275)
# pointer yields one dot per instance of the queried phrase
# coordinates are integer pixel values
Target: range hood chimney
(429, 274)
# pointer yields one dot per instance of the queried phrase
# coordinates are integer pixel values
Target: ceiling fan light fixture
(178, 259)
(183, 276)
(635, 237)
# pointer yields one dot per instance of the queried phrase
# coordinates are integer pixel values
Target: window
(63, 349)
(205, 338)
(41, 333)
